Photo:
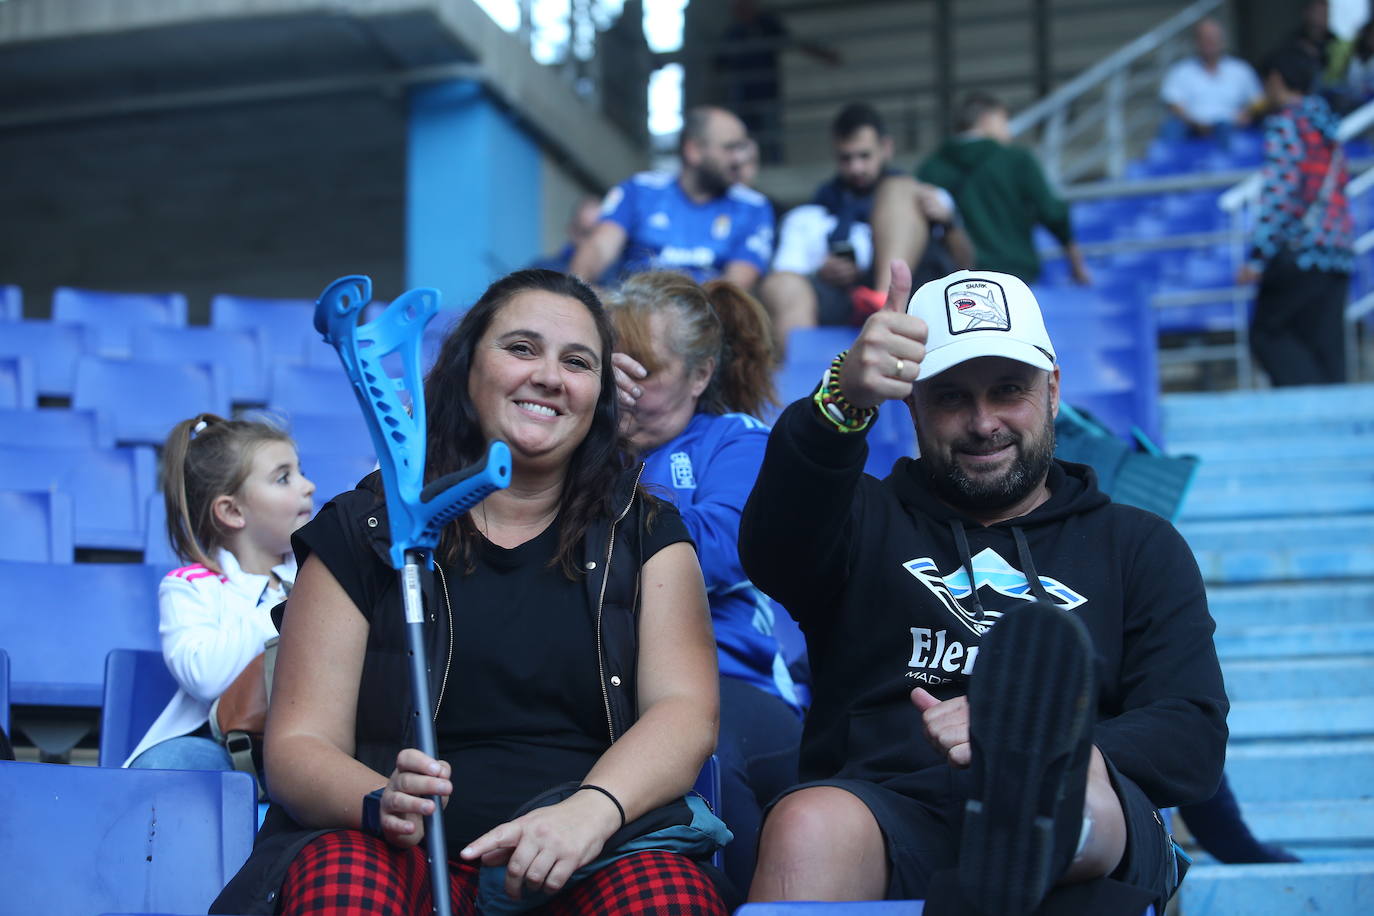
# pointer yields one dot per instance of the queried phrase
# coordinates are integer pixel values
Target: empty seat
(59, 621)
(37, 528)
(144, 400)
(157, 550)
(11, 303)
(108, 488)
(138, 687)
(237, 352)
(53, 426)
(101, 840)
(54, 349)
(330, 434)
(334, 473)
(111, 316)
(17, 382)
(310, 389)
(283, 326)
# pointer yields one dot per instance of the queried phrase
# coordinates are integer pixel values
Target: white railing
(1095, 114)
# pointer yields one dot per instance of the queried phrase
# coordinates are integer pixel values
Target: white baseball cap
(973, 313)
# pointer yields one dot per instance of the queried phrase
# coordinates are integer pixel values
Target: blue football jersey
(666, 230)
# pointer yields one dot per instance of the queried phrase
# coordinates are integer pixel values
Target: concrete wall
(267, 199)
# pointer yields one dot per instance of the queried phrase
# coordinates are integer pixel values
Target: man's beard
(1029, 466)
(712, 180)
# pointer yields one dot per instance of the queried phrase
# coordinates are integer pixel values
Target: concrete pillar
(472, 192)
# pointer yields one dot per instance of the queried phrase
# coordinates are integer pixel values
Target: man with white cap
(1097, 697)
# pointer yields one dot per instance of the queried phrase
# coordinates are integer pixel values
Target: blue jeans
(184, 753)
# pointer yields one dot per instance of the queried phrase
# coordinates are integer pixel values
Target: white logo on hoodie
(990, 570)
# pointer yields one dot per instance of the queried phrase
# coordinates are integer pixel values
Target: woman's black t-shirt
(522, 709)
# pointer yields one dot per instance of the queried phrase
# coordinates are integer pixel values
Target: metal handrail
(1109, 66)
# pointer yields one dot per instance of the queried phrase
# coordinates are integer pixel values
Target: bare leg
(820, 843)
(900, 229)
(790, 301)
(1106, 841)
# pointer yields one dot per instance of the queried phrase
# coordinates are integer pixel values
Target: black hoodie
(876, 573)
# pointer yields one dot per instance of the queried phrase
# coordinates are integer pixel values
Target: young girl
(235, 493)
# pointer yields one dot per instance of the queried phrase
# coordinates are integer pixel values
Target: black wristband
(372, 812)
(606, 792)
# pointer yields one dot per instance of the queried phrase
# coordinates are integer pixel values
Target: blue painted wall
(472, 192)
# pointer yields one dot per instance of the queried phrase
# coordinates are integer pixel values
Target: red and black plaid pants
(350, 873)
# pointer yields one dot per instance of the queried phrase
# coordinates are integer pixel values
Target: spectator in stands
(1001, 192)
(699, 222)
(586, 213)
(701, 360)
(572, 649)
(1302, 248)
(1314, 39)
(823, 272)
(235, 494)
(1211, 94)
(985, 548)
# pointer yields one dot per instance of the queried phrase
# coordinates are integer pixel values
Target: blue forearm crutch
(418, 513)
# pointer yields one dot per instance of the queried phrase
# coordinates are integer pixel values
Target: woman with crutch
(570, 654)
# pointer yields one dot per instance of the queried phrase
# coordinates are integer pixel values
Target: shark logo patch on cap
(976, 305)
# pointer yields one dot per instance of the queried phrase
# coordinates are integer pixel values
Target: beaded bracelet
(831, 402)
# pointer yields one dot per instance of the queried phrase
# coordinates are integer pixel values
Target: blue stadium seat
(17, 388)
(5, 691)
(54, 348)
(11, 303)
(58, 426)
(330, 434)
(38, 526)
(144, 400)
(138, 687)
(108, 487)
(99, 839)
(708, 787)
(60, 621)
(334, 473)
(310, 389)
(238, 352)
(111, 316)
(283, 326)
(157, 550)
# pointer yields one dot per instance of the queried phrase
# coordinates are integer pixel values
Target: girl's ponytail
(744, 374)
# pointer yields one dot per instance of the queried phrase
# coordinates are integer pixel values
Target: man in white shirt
(1212, 93)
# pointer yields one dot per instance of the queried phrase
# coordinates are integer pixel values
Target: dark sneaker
(1031, 706)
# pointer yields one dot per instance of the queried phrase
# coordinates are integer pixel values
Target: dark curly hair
(455, 437)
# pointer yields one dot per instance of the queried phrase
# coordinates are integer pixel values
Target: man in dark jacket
(1098, 696)
(1001, 192)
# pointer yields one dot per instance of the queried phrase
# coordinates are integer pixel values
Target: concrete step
(1348, 821)
(1257, 680)
(1293, 549)
(1267, 720)
(1278, 771)
(1275, 449)
(1265, 604)
(1337, 888)
(1277, 500)
(1294, 641)
(1238, 409)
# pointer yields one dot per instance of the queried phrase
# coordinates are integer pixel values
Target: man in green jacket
(1001, 192)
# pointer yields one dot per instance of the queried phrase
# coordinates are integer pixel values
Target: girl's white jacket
(212, 626)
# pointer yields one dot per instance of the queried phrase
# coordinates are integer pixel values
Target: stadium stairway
(1281, 518)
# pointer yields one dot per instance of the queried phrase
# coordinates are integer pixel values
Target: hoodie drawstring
(1028, 568)
(961, 540)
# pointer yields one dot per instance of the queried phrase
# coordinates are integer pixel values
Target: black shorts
(921, 817)
(833, 305)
